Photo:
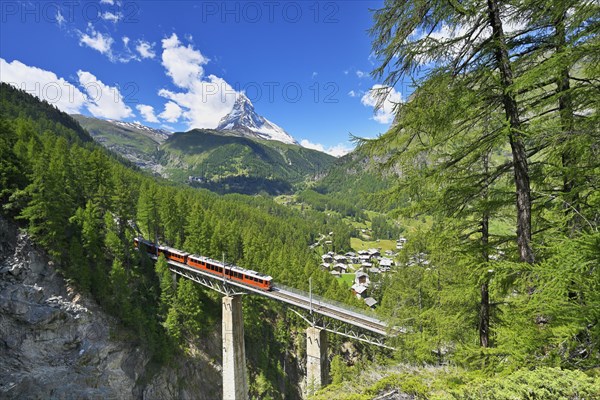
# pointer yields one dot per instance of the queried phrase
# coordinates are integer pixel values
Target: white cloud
(112, 17)
(337, 151)
(146, 49)
(104, 43)
(354, 93)
(97, 41)
(147, 113)
(384, 100)
(183, 63)
(60, 19)
(43, 84)
(172, 112)
(111, 2)
(314, 75)
(362, 74)
(103, 101)
(204, 100)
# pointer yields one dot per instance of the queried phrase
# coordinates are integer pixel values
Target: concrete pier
(235, 377)
(316, 359)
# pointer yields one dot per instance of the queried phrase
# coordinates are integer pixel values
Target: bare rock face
(57, 344)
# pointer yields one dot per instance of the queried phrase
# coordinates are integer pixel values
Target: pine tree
(405, 40)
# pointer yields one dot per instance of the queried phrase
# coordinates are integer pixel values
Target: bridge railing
(323, 301)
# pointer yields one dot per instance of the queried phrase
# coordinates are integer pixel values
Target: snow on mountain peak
(140, 127)
(243, 119)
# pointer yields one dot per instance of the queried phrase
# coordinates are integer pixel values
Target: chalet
(355, 260)
(341, 268)
(362, 278)
(325, 266)
(366, 265)
(386, 262)
(359, 290)
(374, 270)
(340, 259)
(326, 258)
(364, 258)
(363, 252)
(335, 273)
(371, 302)
(374, 253)
(400, 243)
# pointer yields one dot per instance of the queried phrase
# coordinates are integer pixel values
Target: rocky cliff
(56, 343)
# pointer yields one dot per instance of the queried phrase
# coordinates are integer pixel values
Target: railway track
(330, 310)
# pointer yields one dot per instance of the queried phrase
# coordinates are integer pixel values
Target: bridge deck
(302, 300)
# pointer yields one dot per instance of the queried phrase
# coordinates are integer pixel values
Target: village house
(400, 243)
(326, 258)
(325, 266)
(359, 290)
(341, 268)
(371, 302)
(366, 265)
(374, 253)
(362, 278)
(340, 259)
(374, 270)
(386, 263)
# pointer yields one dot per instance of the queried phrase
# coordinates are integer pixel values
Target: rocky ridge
(56, 343)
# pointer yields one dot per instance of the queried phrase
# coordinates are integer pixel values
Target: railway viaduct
(321, 315)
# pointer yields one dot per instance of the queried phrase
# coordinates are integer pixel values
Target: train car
(231, 272)
(173, 254)
(144, 244)
(226, 271)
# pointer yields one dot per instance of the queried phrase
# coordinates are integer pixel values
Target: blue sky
(179, 64)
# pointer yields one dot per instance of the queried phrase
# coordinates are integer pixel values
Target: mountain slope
(239, 164)
(355, 178)
(138, 143)
(244, 120)
(223, 161)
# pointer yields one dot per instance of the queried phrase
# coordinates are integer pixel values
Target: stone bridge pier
(316, 359)
(235, 377)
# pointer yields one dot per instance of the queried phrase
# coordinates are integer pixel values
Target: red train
(229, 272)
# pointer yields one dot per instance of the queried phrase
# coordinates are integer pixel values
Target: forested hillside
(499, 149)
(222, 162)
(84, 206)
(353, 183)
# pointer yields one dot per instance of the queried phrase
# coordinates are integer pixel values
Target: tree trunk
(484, 310)
(520, 163)
(567, 122)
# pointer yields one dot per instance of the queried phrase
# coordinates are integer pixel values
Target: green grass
(358, 244)
(348, 279)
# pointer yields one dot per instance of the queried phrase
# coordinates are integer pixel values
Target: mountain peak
(244, 120)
